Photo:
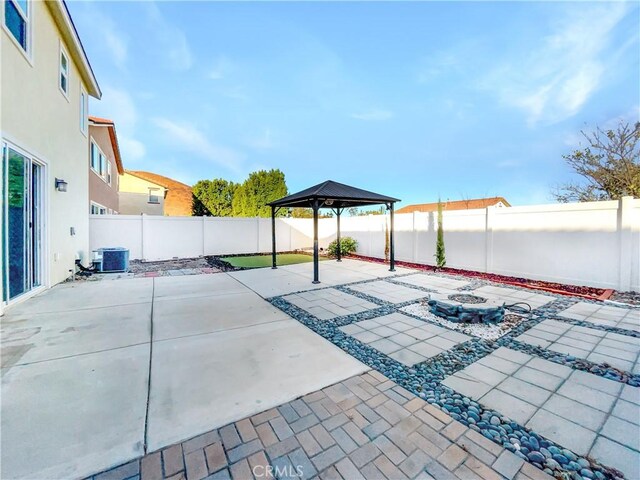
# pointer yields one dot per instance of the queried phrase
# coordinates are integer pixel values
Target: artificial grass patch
(257, 261)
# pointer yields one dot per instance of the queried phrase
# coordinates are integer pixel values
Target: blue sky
(415, 100)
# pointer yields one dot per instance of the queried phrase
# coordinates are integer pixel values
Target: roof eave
(62, 17)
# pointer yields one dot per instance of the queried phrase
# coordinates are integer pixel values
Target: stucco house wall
(100, 192)
(134, 196)
(39, 119)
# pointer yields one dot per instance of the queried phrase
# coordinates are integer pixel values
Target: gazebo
(335, 196)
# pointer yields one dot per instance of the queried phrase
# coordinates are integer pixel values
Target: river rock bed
(424, 379)
(485, 331)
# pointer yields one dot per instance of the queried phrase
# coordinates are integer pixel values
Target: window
(95, 154)
(109, 173)
(103, 168)
(154, 195)
(64, 72)
(97, 209)
(83, 111)
(16, 19)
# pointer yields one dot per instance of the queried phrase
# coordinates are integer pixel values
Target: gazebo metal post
(273, 237)
(392, 259)
(316, 207)
(338, 211)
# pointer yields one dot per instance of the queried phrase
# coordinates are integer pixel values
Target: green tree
(251, 198)
(358, 212)
(299, 212)
(213, 197)
(609, 166)
(440, 257)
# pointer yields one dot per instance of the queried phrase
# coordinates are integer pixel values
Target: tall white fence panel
(151, 238)
(596, 243)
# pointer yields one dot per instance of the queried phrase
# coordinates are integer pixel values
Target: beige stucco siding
(100, 191)
(38, 118)
(134, 196)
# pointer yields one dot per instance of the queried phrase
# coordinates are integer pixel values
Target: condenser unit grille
(114, 259)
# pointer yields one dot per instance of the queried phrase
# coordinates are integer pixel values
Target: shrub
(440, 255)
(347, 245)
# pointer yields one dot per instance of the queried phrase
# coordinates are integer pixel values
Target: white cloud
(555, 80)
(130, 148)
(373, 115)
(194, 141)
(119, 107)
(106, 34)
(171, 40)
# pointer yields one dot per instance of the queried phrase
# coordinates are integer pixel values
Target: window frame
(102, 210)
(108, 172)
(63, 53)
(84, 111)
(103, 161)
(153, 189)
(27, 52)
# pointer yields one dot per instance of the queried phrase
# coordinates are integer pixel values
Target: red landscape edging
(598, 293)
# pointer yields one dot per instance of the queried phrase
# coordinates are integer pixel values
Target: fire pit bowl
(467, 309)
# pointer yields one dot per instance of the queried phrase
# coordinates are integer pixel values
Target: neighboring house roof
(62, 17)
(455, 205)
(179, 199)
(103, 122)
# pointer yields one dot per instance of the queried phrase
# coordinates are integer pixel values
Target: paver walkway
(583, 412)
(403, 338)
(365, 427)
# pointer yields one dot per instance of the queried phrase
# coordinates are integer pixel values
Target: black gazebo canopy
(335, 196)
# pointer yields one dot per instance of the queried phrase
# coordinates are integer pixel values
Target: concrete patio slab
(389, 292)
(75, 371)
(512, 295)
(190, 286)
(329, 303)
(29, 338)
(87, 295)
(239, 372)
(295, 278)
(608, 315)
(69, 417)
(180, 317)
(621, 351)
(434, 282)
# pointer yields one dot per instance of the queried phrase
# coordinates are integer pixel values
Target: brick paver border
(365, 427)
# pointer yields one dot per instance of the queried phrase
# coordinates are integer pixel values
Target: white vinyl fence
(596, 243)
(151, 237)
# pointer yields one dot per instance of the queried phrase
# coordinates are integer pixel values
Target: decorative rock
(585, 472)
(536, 457)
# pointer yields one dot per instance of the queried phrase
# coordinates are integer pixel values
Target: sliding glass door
(22, 222)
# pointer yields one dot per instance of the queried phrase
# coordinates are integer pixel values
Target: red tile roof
(114, 139)
(454, 205)
(179, 199)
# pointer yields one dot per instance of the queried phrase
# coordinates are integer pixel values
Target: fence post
(369, 226)
(414, 254)
(203, 244)
(258, 234)
(488, 265)
(625, 205)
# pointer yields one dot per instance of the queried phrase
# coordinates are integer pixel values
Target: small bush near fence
(348, 245)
